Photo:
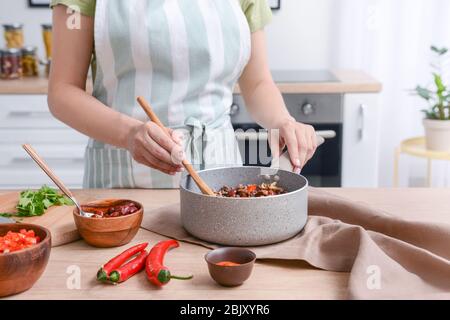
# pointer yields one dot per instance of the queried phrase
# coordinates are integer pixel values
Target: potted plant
(437, 115)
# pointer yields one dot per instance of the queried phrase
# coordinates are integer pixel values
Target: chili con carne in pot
(244, 221)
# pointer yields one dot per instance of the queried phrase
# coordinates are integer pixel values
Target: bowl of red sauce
(230, 267)
(116, 222)
(24, 253)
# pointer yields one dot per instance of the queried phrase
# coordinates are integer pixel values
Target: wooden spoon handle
(204, 188)
(33, 154)
(149, 111)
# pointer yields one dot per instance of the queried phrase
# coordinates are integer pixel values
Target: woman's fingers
(177, 154)
(276, 143)
(161, 137)
(306, 136)
(153, 147)
(290, 138)
(162, 155)
(301, 142)
(155, 163)
(313, 142)
(303, 146)
(163, 147)
(176, 136)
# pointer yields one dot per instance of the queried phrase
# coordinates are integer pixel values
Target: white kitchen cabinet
(360, 140)
(26, 119)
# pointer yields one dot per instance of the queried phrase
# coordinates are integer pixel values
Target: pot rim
(183, 180)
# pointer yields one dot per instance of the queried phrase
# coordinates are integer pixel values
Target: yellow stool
(416, 147)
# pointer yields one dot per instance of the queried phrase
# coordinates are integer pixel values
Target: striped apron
(185, 57)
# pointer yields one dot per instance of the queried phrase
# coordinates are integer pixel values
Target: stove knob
(308, 109)
(234, 109)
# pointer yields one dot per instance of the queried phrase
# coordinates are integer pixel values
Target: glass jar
(14, 35)
(47, 64)
(47, 35)
(10, 63)
(30, 63)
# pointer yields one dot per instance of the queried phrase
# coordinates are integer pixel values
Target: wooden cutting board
(58, 219)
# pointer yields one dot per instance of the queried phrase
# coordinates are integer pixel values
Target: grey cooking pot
(244, 221)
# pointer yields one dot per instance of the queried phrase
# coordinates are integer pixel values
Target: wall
(299, 36)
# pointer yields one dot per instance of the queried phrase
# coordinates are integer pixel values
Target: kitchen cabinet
(360, 140)
(26, 119)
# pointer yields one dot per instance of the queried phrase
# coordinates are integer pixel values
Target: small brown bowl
(108, 232)
(20, 270)
(230, 276)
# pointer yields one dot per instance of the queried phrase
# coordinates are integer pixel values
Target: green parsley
(34, 203)
(6, 215)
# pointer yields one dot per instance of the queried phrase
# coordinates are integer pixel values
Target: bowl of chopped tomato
(24, 253)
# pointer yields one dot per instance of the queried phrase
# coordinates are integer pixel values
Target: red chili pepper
(157, 273)
(116, 262)
(129, 269)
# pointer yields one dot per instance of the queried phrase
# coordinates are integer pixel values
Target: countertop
(270, 279)
(350, 81)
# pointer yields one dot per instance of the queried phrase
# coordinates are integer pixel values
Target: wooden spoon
(33, 154)
(204, 188)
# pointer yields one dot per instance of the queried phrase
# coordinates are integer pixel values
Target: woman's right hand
(151, 146)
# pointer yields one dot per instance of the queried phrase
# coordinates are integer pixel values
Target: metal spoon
(4, 220)
(33, 154)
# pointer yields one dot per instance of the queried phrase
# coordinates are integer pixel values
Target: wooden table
(270, 280)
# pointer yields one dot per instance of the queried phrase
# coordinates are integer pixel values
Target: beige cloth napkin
(387, 257)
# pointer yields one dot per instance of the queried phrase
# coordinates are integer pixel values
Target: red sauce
(113, 211)
(227, 264)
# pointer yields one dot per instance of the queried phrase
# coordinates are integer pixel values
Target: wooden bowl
(20, 270)
(108, 232)
(230, 276)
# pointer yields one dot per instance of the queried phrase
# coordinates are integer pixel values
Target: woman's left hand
(300, 140)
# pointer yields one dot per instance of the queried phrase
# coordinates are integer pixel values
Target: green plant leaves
(424, 93)
(439, 84)
(439, 97)
(6, 215)
(34, 203)
(439, 51)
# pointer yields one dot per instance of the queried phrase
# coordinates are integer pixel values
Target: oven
(323, 111)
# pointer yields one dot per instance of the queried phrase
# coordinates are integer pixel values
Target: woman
(184, 57)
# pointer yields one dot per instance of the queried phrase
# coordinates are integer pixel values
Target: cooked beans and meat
(251, 191)
(113, 211)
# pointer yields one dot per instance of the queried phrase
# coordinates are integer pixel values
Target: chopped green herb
(6, 215)
(34, 203)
